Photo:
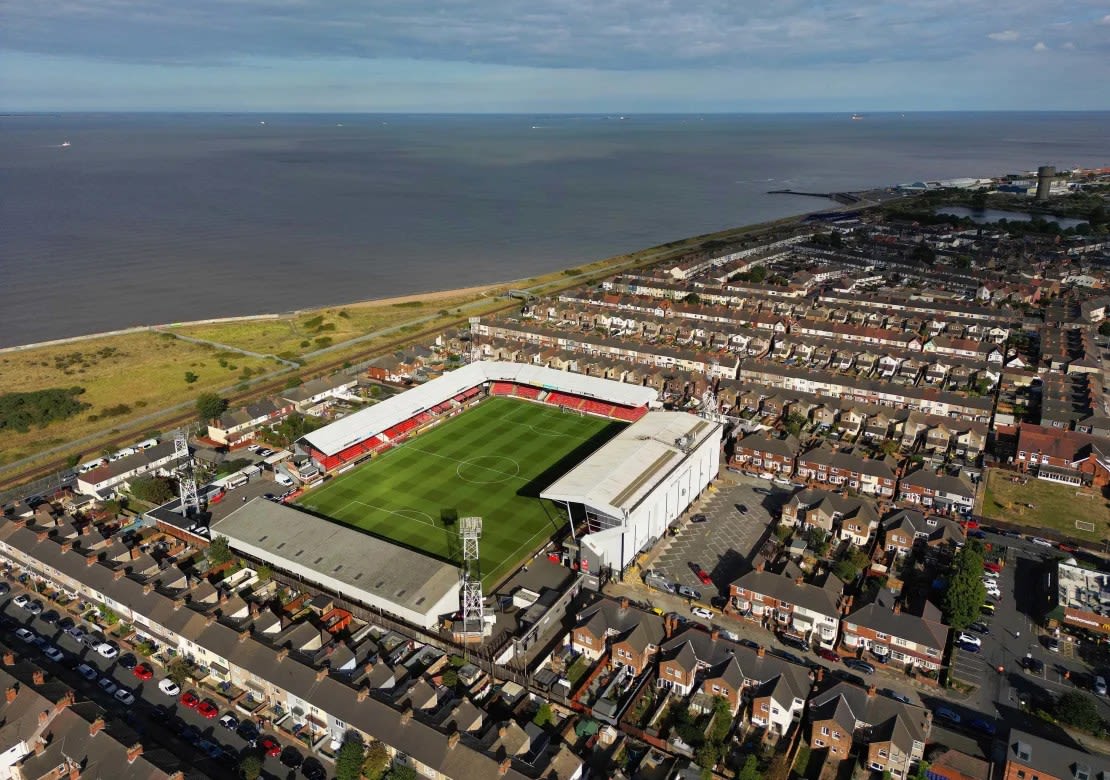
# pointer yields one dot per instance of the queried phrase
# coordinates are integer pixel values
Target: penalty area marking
(1085, 525)
(408, 514)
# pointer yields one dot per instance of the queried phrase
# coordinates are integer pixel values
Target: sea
(114, 220)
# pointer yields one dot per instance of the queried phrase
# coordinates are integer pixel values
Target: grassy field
(296, 335)
(492, 461)
(123, 376)
(1055, 506)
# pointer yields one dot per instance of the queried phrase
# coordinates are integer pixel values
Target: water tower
(1045, 175)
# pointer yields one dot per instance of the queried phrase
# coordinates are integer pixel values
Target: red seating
(531, 393)
(502, 388)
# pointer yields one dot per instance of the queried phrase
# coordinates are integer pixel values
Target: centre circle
(487, 469)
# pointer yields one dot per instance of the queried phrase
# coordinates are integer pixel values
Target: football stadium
(521, 446)
(491, 461)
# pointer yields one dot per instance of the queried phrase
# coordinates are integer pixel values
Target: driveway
(725, 544)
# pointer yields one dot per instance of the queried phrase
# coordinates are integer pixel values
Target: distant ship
(857, 117)
(65, 144)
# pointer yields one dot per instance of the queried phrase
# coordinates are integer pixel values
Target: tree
(153, 490)
(544, 716)
(190, 377)
(692, 298)
(349, 760)
(794, 423)
(1104, 328)
(264, 572)
(1079, 710)
(923, 253)
(402, 772)
(758, 274)
(250, 766)
(707, 755)
(376, 761)
(750, 769)
(966, 592)
(849, 567)
(889, 447)
(179, 670)
(218, 552)
(210, 406)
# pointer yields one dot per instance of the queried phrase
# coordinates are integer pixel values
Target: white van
(146, 445)
(237, 481)
(283, 479)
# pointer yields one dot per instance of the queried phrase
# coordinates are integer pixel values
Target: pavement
(161, 726)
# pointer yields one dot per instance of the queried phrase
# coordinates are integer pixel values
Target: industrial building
(345, 562)
(637, 484)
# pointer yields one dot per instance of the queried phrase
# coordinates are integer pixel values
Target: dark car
(190, 733)
(976, 535)
(787, 656)
(312, 769)
(983, 726)
(859, 666)
(846, 676)
(35, 607)
(66, 623)
(248, 732)
(128, 661)
(50, 616)
(741, 509)
(1032, 665)
(796, 642)
(967, 647)
(749, 643)
(828, 655)
(979, 627)
(291, 757)
(699, 519)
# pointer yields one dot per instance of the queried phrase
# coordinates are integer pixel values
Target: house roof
(939, 483)
(856, 708)
(821, 600)
(1053, 758)
(916, 629)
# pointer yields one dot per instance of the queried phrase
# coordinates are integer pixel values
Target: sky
(538, 56)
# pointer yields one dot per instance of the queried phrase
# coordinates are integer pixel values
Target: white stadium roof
(628, 467)
(361, 425)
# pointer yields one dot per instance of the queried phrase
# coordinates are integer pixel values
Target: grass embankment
(1054, 506)
(124, 378)
(296, 335)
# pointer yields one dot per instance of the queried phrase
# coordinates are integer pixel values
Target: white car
(1042, 542)
(990, 575)
(169, 687)
(21, 600)
(969, 639)
(702, 612)
(107, 650)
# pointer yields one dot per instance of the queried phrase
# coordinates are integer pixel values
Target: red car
(207, 709)
(1067, 548)
(703, 575)
(828, 655)
(143, 671)
(270, 746)
(992, 566)
(189, 700)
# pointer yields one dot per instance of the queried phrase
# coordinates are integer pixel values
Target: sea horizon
(159, 216)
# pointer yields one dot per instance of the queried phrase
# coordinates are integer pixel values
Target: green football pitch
(491, 461)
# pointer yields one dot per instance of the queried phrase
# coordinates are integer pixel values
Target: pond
(985, 216)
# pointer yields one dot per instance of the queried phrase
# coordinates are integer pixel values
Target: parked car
(797, 642)
(124, 696)
(847, 676)
(22, 600)
(1100, 685)
(741, 509)
(943, 713)
(983, 726)
(291, 757)
(229, 722)
(35, 607)
(143, 672)
(976, 535)
(5, 589)
(108, 685)
(107, 650)
(53, 653)
(66, 623)
(206, 709)
(169, 687)
(969, 639)
(25, 635)
(896, 696)
(703, 575)
(992, 566)
(990, 575)
(50, 617)
(828, 655)
(1067, 548)
(860, 666)
(1032, 665)
(127, 661)
(270, 746)
(702, 612)
(189, 700)
(968, 648)
(986, 608)
(688, 592)
(248, 732)
(699, 518)
(87, 672)
(1041, 542)
(1053, 644)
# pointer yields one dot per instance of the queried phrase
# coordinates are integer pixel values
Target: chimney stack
(504, 767)
(148, 588)
(74, 771)
(44, 716)
(282, 654)
(96, 727)
(406, 716)
(90, 559)
(624, 602)
(453, 739)
(363, 692)
(799, 580)
(761, 652)
(37, 677)
(134, 752)
(118, 574)
(244, 635)
(715, 634)
(321, 673)
(759, 566)
(40, 746)
(870, 690)
(42, 536)
(896, 608)
(210, 618)
(10, 694)
(9, 658)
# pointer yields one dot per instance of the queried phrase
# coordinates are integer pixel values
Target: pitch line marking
(506, 474)
(405, 512)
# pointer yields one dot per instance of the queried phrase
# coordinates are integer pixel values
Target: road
(157, 717)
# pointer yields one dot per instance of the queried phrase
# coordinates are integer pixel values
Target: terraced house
(939, 492)
(848, 517)
(763, 454)
(631, 635)
(886, 632)
(870, 476)
(786, 604)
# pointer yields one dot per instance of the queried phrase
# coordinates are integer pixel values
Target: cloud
(1105, 19)
(1040, 46)
(1069, 46)
(1005, 35)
